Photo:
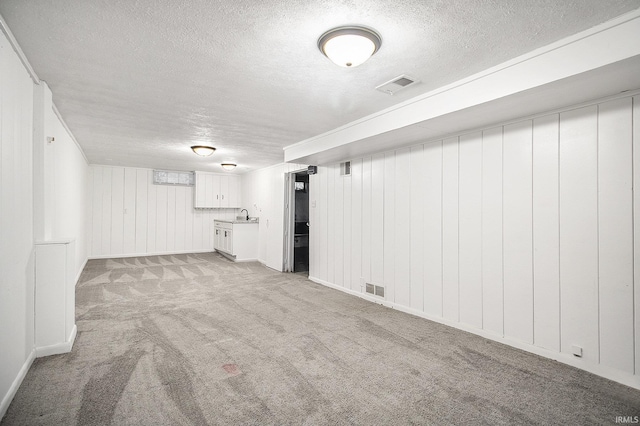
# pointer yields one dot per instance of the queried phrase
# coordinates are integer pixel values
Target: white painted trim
(73, 138)
(16, 48)
(231, 257)
(597, 369)
(79, 274)
(8, 397)
(60, 348)
(159, 253)
(264, 263)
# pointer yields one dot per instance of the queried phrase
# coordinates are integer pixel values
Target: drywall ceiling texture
(139, 82)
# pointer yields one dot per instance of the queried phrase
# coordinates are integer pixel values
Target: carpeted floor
(196, 339)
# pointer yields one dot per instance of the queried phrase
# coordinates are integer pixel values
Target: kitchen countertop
(237, 221)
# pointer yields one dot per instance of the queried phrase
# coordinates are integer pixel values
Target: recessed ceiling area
(139, 83)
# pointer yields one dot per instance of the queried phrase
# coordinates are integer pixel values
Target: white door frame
(289, 218)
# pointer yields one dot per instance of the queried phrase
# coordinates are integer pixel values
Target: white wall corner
(8, 397)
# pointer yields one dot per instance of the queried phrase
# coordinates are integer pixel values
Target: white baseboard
(157, 253)
(597, 369)
(80, 270)
(59, 348)
(6, 400)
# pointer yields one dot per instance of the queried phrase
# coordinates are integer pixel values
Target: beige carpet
(196, 339)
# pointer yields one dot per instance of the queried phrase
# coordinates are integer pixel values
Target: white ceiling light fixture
(228, 166)
(349, 46)
(203, 150)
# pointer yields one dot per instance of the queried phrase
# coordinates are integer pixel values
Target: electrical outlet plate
(577, 351)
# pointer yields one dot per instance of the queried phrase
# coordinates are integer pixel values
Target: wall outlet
(577, 351)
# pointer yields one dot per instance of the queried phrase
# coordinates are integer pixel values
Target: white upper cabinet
(216, 191)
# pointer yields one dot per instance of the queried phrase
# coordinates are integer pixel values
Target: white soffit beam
(608, 43)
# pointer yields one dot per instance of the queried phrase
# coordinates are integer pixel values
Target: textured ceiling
(138, 82)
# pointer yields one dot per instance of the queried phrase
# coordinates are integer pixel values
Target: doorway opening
(297, 223)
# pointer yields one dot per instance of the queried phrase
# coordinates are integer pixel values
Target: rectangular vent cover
(394, 85)
(376, 290)
(345, 168)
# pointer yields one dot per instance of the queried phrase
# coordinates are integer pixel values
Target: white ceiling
(138, 82)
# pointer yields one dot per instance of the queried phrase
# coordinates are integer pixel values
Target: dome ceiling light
(203, 150)
(228, 166)
(349, 46)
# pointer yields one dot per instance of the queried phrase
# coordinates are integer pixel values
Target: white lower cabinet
(236, 240)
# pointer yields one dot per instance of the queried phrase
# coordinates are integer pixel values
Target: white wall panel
(402, 232)
(129, 228)
(470, 229)
(389, 225)
(636, 230)
(180, 217)
(152, 215)
(347, 231)
(356, 224)
(107, 189)
(579, 231)
(16, 219)
(450, 282)
(96, 210)
(142, 179)
(117, 210)
(338, 227)
(432, 229)
(522, 231)
(70, 190)
(171, 219)
(517, 231)
(367, 215)
(331, 222)
(417, 185)
(323, 222)
(314, 229)
(199, 238)
(615, 232)
(377, 219)
(141, 218)
(188, 217)
(162, 213)
(546, 244)
(492, 284)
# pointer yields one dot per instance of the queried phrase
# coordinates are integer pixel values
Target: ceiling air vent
(393, 86)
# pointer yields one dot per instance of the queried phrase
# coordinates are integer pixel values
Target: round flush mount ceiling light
(203, 150)
(228, 166)
(349, 46)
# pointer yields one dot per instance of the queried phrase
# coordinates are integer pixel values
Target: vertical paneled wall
(129, 215)
(16, 221)
(523, 232)
(70, 193)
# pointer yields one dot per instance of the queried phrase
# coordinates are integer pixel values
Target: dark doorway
(301, 223)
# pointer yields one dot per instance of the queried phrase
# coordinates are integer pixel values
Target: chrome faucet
(245, 210)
